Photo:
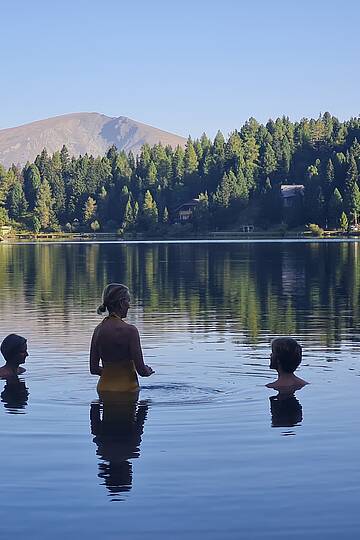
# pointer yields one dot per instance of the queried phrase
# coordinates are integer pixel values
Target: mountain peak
(82, 132)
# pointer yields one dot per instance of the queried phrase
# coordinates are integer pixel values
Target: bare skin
(116, 341)
(287, 381)
(12, 367)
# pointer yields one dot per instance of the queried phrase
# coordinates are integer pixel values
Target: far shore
(215, 235)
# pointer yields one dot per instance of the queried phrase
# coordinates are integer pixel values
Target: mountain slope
(93, 133)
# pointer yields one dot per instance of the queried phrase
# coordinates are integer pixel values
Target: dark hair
(287, 353)
(11, 345)
(114, 295)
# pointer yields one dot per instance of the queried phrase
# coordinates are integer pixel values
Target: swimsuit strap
(112, 316)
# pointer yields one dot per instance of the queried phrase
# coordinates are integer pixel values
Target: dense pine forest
(236, 181)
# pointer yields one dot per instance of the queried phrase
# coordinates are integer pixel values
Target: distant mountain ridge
(91, 133)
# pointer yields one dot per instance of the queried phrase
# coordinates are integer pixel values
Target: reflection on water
(206, 315)
(218, 286)
(117, 428)
(15, 396)
(286, 410)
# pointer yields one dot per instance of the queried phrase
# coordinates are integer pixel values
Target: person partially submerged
(14, 350)
(116, 344)
(285, 359)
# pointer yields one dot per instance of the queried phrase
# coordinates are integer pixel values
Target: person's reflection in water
(15, 395)
(117, 428)
(286, 410)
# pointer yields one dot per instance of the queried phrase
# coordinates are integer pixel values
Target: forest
(235, 181)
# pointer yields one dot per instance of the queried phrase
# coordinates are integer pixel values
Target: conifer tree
(43, 206)
(344, 223)
(190, 159)
(151, 174)
(149, 211)
(4, 217)
(268, 161)
(178, 164)
(335, 208)
(4, 185)
(89, 210)
(135, 213)
(351, 191)
(16, 202)
(32, 182)
(128, 217)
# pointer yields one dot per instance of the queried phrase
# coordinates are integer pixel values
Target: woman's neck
(115, 314)
(283, 376)
(13, 368)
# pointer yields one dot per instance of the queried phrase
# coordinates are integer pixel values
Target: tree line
(236, 180)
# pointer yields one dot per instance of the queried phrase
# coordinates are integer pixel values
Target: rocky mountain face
(91, 133)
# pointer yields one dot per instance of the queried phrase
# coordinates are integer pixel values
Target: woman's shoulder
(131, 328)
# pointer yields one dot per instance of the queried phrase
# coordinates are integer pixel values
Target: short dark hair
(11, 345)
(287, 352)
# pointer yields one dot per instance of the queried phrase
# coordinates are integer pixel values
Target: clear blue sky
(186, 67)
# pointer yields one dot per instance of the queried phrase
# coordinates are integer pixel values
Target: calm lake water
(208, 452)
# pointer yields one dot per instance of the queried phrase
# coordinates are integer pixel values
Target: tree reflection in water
(247, 287)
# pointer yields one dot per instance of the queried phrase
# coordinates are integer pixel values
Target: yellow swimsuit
(118, 377)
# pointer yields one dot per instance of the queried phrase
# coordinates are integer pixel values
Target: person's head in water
(115, 299)
(286, 355)
(14, 350)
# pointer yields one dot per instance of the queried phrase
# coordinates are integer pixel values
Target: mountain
(91, 133)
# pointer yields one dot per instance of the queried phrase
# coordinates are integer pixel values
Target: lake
(208, 451)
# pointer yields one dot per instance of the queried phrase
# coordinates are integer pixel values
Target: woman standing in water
(117, 344)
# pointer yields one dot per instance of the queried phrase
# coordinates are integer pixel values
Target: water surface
(208, 451)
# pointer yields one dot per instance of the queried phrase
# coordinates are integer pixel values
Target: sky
(186, 67)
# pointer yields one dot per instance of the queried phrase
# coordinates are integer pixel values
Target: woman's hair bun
(101, 309)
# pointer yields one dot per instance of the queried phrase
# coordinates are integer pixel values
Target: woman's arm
(137, 355)
(95, 368)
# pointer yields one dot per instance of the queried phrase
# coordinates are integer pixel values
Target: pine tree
(128, 217)
(32, 182)
(16, 202)
(242, 191)
(224, 191)
(4, 185)
(190, 160)
(285, 160)
(65, 160)
(351, 191)
(89, 210)
(219, 146)
(234, 155)
(329, 179)
(178, 164)
(149, 211)
(135, 213)
(43, 206)
(344, 224)
(151, 174)
(268, 161)
(335, 208)
(43, 163)
(4, 217)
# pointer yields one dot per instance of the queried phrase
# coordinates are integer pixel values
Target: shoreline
(211, 236)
